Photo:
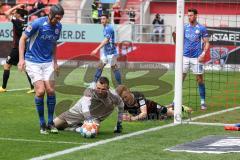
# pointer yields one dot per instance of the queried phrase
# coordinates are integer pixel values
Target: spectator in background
(131, 14)
(174, 35)
(116, 13)
(38, 5)
(100, 10)
(1, 4)
(95, 13)
(158, 28)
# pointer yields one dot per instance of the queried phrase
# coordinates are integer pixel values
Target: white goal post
(178, 62)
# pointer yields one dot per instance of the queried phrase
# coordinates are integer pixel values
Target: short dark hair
(22, 12)
(103, 80)
(193, 10)
(105, 15)
(56, 9)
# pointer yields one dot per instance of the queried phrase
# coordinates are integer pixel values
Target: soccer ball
(89, 129)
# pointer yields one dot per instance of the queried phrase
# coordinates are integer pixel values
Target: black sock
(6, 74)
(29, 80)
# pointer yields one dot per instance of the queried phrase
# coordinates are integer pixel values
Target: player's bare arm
(205, 49)
(105, 41)
(55, 64)
(142, 115)
(9, 12)
(22, 44)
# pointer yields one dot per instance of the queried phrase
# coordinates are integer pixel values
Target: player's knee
(40, 92)
(60, 124)
(199, 80)
(100, 66)
(6, 66)
(50, 91)
(114, 67)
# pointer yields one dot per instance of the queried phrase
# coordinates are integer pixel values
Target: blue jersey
(109, 48)
(42, 39)
(193, 36)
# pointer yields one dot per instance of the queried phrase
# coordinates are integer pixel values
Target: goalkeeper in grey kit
(97, 103)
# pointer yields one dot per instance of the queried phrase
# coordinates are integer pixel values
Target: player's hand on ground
(56, 69)
(126, 117)
(118, 128)
(21, 65)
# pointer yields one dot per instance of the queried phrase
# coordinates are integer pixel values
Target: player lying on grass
(140, 108)
(97, 104)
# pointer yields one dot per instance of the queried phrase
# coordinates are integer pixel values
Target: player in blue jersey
(109, 54)
(40, 61)
(196, 44)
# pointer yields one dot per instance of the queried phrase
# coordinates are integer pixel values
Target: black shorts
(13, 57)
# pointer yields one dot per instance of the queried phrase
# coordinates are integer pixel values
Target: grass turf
(19, 118)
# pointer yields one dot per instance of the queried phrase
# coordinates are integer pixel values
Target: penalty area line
(102, 142)
(37, 141)
(18, 89)
(205, 123)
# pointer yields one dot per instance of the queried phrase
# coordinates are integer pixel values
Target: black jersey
(140, 101)
(18, 27)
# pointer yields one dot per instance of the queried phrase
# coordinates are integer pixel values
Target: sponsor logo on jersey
(57, 31)
(142, 102)
(29, 28)
(197, 31)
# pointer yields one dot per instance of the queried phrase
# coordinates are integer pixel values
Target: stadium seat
(32, 18)
(51, 2)
(21, 1)
(29, 8)
(47, 9)
(3, 19)
(25, 1)
(5, 8)
(11, 2)
(45, 1)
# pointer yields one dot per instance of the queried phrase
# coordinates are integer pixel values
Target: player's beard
(102, 94)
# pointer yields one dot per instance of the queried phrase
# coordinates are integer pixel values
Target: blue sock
(117, 76)
(201, 88)
(40, 109)
(97, 74)
(237, 124)
(51, 102)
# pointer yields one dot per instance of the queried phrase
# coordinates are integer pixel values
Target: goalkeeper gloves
(118, 128)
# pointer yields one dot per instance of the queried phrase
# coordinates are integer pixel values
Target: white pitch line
(19, 89)
(101, 142)
(214, 113)
(205, 124)
(38, 141)
(70, 150)
(22, 89)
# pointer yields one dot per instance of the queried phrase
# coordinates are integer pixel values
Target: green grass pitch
(19, 128)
